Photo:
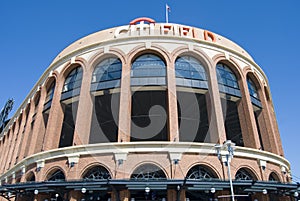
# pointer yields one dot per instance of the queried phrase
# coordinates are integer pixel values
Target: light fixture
(147, 189)
(120, 161)
(56, 195)
(264, 191)
(178, 188)
(72, 164)
(212, 190)
(38, 169)
(229, 147)
(83, 190)
(296, 194)
(36, 191)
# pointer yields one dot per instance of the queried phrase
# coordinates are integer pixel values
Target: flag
(168, 8)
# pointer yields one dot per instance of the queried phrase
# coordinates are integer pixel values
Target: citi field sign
(147, 27)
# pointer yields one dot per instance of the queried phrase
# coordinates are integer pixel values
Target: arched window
(107, 74)
(200, 172)
(273, 177)
(49, 97)
(230, 94)
(190, 72)
(257, 108)
(71, 89)
(148, 107)
(193, 126)
(104, 124)
(244, 174)
(97, 173)
(148, 69)
(148, 172)
(227, 80)
(57, 175)
(72, 84)
(48, 102)
(30, 177)
(253, 93)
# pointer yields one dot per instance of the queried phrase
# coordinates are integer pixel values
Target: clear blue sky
(33, 32)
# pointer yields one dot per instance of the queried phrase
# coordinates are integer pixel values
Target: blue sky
(33, 32)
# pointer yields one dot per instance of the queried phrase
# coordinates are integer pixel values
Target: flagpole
(167, 15)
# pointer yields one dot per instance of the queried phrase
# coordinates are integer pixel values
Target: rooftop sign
(146, 26)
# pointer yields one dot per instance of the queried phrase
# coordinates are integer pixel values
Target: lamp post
(227, 146)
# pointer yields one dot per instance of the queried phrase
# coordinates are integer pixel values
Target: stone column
(36, 138)
(84, 111)
(172, 103)
(19, 138)
(246, 116)
(55, 120)
(216, 121)
(125, 105)
(26, 132)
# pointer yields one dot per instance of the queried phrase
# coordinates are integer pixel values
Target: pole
(167, 13)
(229, 175)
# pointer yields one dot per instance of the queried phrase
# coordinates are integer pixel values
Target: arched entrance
(200, 173)
(96, 173)
(148, 172)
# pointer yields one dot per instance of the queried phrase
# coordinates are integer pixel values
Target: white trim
(119, 149)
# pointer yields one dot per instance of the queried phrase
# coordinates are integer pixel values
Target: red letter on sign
(208, 34)
(145, 19)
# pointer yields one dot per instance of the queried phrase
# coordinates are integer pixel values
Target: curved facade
(134, 112)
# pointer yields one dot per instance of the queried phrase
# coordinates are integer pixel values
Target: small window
(273, 177)
(97, 173)
(58, 175)
(148, 172)
(243, 174)
(200, 172)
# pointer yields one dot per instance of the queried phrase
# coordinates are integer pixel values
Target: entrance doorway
(153, 195)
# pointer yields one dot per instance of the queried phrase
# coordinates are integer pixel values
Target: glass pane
(148, 65)
(107, 70)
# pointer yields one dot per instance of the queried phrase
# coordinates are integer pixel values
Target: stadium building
(147, 111)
